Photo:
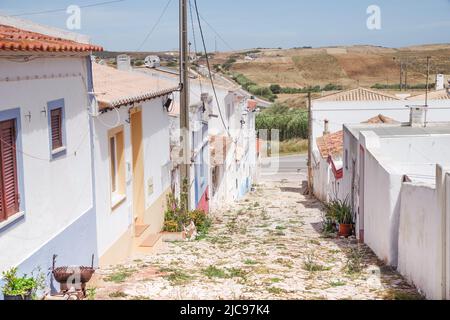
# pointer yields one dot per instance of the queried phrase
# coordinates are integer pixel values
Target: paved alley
(268, 246)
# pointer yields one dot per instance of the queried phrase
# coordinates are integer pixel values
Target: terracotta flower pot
(345, 230)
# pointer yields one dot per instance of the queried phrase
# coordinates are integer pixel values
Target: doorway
(138, 165)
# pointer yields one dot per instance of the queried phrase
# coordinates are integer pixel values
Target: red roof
(14, 39)
(331, 144)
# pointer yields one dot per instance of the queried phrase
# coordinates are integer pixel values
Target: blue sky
(252, 23)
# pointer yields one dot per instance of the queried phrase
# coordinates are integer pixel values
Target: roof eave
(110, 105)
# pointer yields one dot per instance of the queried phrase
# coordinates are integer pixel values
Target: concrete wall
(59, 215)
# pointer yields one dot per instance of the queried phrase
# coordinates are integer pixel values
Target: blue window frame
(56, 128)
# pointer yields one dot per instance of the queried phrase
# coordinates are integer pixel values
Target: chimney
(417, 116)
(123, 62)
(440, 82)
(325, 127)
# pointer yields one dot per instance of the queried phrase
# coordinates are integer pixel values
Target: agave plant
(340, 211)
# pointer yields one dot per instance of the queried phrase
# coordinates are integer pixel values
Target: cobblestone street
(268, 246)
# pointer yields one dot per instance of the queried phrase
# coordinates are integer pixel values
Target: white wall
(114, 223)
(382, 184)
(419, 255)
(57, 193)
(339, 113)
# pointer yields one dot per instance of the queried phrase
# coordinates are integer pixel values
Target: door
(361, 193)
(138, 165)
(9, 194)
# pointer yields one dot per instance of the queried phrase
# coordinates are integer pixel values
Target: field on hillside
(345, 66)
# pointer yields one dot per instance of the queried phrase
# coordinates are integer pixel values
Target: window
(117, 165)
(56, 123)
(9, 193)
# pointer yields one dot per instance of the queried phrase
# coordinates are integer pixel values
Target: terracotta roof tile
(381, 119)
(115, 88)
(331, 144)
(433, 95)
(359, 94)
(14, 39)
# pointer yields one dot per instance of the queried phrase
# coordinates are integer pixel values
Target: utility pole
(428, 79)
(406, 74)
(310, 142)
(185, 180)
(426, 90)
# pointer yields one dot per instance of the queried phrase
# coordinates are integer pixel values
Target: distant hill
(348, 66)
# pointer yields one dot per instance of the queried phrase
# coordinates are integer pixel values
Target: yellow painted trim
(137, 147)
(154, 215)
(119, 134)
(119, 251)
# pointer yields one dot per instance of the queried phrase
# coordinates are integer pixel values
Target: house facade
(401, 197)
(132, 161)
(47, 205)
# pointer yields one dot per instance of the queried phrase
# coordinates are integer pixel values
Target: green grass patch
(120, 275)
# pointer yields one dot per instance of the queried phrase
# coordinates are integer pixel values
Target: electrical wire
(155, 25)
(209, 68)
(195, 39)
(217, 34)
(65, 9)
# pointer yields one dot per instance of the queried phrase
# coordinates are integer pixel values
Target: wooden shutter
(9, 194)
(56, 128)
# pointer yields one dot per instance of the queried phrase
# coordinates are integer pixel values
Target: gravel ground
(268, 246)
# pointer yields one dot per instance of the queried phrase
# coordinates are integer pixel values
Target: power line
(209, 67)
(217, 33)
(65, 9)
(155, 25)
(195, 39)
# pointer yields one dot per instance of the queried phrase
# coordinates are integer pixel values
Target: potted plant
(344, 217)
(21, 288)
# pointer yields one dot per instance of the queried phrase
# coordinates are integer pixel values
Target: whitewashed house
(132, 161)
(199, 125)
(47, 179)
(331, 112)
(400, 194)
(233, 150)
(232, 157)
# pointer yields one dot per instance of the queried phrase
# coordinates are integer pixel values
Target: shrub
(21, 286)
(291, 123)
(177, 215)
(275, 88)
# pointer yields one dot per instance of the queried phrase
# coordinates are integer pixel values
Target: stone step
(139, 229)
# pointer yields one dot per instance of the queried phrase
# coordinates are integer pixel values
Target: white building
(358, 105)
(331, 112)
(399, 180)
(231, 123)
(46, 187)
(132, 161)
